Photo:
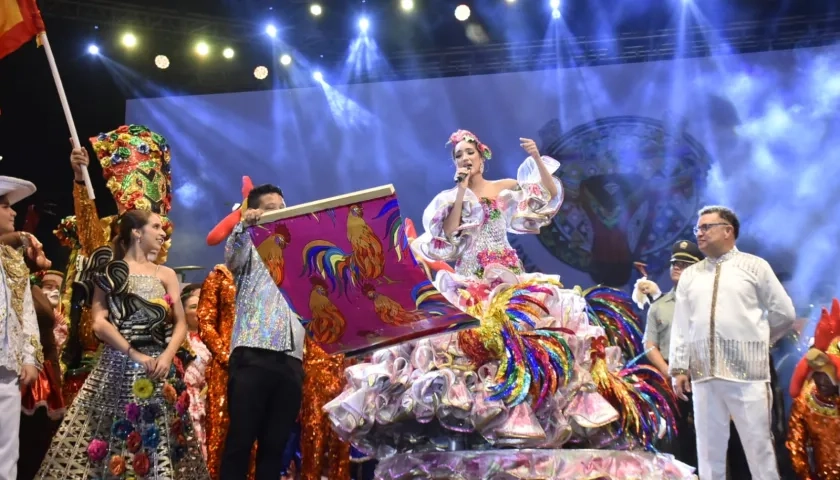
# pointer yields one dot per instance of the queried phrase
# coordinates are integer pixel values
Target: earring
(481, 168)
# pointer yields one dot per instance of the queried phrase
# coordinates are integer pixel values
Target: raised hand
(530, 147)
(78, 160)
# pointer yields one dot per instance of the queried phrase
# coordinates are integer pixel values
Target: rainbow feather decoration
(613, 310)
(639, 393)
(533, 363)
(396, 230)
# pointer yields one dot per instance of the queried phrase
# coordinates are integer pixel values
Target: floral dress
(537, 373)
(123, 424)
(196, 387)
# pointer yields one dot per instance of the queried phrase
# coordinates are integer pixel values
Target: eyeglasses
(706, 227)
(680, 265)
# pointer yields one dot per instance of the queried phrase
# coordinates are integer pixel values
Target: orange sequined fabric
(216, 313)
(46, 390)
(814, 423)
(323, 454)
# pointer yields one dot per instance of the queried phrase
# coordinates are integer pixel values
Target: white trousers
(9, 424)
(749, 405)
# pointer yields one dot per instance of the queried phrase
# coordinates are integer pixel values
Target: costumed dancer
(135, 165)
(657, 340)
(730, 308)
(21, 355)
(196, 370)
(131, 417)
(547, 365)
(815, 414)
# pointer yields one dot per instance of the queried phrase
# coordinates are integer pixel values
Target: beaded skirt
(123, 425)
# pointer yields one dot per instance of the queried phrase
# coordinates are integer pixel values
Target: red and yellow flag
(20, 20)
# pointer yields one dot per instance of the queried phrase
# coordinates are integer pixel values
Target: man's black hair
(257, 193)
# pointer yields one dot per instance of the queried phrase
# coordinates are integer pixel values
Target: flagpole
(66, 106)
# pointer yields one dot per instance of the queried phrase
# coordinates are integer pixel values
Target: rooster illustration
(271, 251)
(364, 264)
(428, 302)
(327, 324)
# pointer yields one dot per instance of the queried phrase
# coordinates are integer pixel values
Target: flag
(20, 20)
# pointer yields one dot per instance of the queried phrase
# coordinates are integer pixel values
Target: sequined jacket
(813, 425)
(19, 335)
(216, 312)
(728, 312)
(264, 318)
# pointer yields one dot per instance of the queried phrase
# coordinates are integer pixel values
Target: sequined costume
(323, 453)
(815, 418)
(548, 367)
(121, 422)
(135, 164)
(216, 313)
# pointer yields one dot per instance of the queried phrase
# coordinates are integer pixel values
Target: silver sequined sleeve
(238, 249)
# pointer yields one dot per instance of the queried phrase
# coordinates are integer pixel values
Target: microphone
(461, 176)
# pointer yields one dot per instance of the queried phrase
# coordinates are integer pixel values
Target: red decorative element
(17, 34)
(224, 228)
(828, 329)
(597, 350)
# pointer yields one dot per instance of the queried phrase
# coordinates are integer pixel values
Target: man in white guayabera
(729, 309)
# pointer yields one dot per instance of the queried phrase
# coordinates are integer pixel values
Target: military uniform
(658, 333)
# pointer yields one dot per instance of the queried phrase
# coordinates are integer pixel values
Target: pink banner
(350, 276)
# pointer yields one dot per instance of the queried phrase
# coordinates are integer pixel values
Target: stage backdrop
(642, 146)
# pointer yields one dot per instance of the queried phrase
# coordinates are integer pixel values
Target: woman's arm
(453, 220)
(108, 333)
(173, 289)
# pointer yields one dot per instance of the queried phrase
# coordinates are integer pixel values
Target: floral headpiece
(136, 165)
(823, 356)
(38, 277)
(465, 135)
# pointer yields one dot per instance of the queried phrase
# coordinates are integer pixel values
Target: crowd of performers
(115, 370)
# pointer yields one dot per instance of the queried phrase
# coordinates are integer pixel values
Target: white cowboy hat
(15, 189)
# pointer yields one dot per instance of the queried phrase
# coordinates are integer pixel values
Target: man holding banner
(266, 371)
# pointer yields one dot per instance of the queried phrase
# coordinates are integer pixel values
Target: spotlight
(93, 50)
(554, 4)
(227, 53)
(202, 49)
(271, 31)
(364, 24)
(318, 76)
(555, 14)
(162, 62)
(407, 5)
(462, 13)
(510, 1)
(285, 60)
(129, 40)
(260, 73)
(315, 9)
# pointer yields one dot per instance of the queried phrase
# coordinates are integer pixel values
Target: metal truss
(741, 37)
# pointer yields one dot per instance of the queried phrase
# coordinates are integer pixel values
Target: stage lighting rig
(129, 40)
(285, 60)
(260, 73)
(364, 24)
(316, 10)
(407, 5)
(162, 62)
(318, 76)
(462, 13)
(202, 49)
(228, 53)
(271, 31)
(93, 50)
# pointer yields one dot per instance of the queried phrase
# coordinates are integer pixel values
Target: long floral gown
(122, 424)
(544, 370)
